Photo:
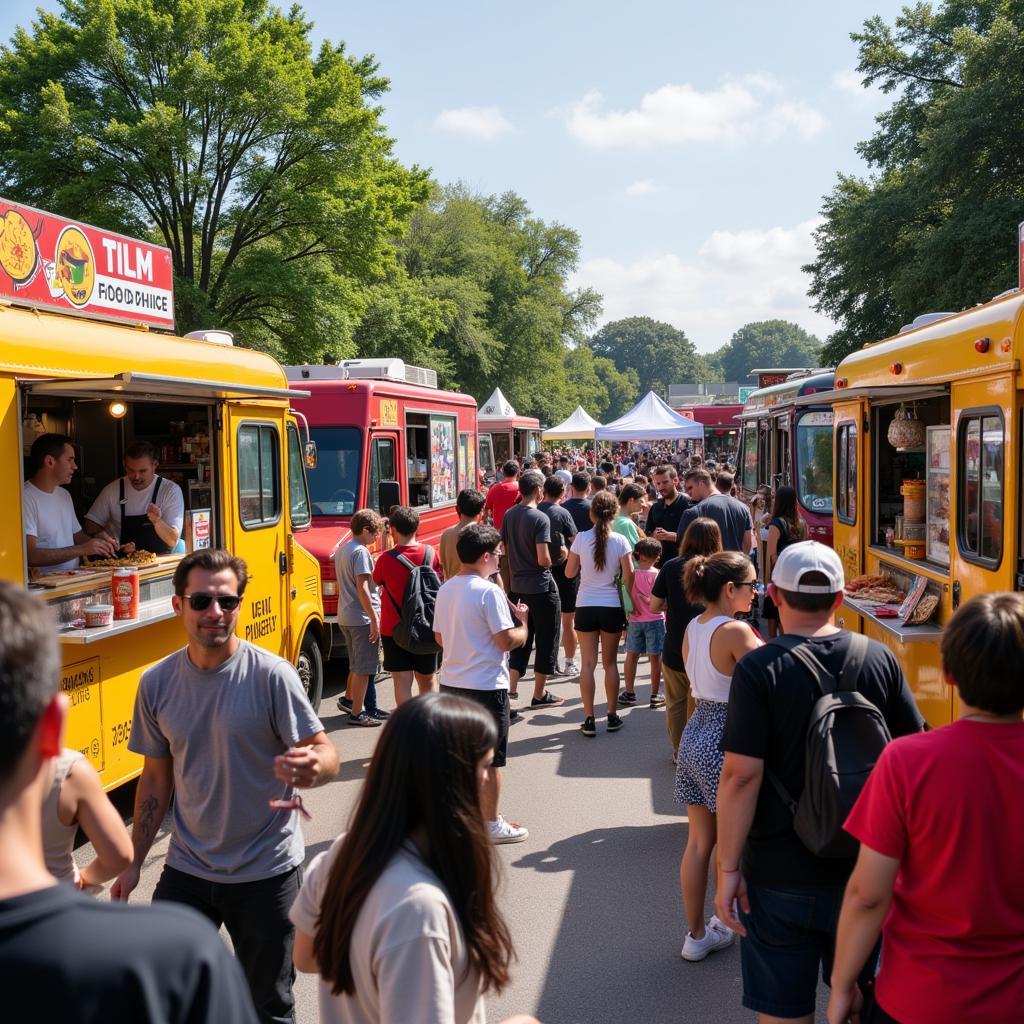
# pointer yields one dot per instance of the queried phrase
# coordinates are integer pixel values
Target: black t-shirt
(69, 958)
(770, 704)
(678, 611)
(563, 529)
(732, 516)
(579, 509)
(523, 527)
(667, 517)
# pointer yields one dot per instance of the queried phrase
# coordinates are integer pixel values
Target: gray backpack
(845, 737)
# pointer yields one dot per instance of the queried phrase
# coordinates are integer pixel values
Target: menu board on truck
(53, 263)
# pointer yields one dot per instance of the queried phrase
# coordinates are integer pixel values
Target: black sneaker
(614, 722)
(588, 728)
(363, 719)
(344, 704)
(627, 697)
(379, 716)
(513, 715)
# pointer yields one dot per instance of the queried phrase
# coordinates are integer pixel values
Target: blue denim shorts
(791, 933)
(645, 637)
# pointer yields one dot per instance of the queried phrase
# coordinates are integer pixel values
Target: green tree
(212, 127)
(767, 343)
(933, 227)
(658, 353)
(599, 386)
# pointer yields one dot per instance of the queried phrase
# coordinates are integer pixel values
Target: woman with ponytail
(598, 557)
(712, 645)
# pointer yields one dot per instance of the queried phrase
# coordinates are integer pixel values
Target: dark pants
(544, 625)
(255, 915)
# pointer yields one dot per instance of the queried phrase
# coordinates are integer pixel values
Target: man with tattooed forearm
(226, 727)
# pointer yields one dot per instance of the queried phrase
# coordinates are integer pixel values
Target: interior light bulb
(117, 409)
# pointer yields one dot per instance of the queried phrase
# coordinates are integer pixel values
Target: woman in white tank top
(712, 645)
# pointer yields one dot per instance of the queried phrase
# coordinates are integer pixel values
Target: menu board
(938, 494)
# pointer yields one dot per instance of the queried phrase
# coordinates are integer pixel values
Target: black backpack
(845, 737)
(415, 630)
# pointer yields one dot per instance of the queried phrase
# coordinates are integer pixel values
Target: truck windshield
(814, 462)
(334, 484)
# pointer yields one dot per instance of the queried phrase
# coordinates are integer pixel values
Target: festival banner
(53, 263)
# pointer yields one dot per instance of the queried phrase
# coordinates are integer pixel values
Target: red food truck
(504, 434)
(386, 435)
(721, 424)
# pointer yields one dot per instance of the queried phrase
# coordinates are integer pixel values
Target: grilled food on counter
(137, 558)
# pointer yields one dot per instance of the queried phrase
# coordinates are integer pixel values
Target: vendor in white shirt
(53, 536)
(140, 510)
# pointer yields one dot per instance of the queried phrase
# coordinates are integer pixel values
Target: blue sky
(689, 143)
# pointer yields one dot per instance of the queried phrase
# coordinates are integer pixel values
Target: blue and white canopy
(651, 420)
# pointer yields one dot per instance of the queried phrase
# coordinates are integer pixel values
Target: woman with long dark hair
(714, 642)
(598, 556)
(786, 527)
(399, 916)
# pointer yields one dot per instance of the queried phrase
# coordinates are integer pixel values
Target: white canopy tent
(651, 420)
(580, 425)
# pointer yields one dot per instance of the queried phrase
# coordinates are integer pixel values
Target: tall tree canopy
(212, 126)
(933, 228)
(767, 343)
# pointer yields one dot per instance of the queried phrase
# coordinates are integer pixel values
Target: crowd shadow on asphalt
(621, 930)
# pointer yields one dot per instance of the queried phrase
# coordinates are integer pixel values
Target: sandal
(549, 700)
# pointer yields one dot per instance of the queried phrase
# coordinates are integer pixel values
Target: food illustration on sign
(76, 266)
(18, 253)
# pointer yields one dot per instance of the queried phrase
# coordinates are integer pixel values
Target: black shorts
(398, 659)
(566, 588)
(544, 625)
(596, 619)
(496, 702)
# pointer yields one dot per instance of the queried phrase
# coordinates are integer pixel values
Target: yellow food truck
(927, 458)
(220, 421)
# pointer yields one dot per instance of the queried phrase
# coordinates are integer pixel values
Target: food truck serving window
(980, 447)
(846, 472)
(334, 484)
(259, 475)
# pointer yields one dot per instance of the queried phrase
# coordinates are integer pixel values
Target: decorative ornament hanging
(906, 430)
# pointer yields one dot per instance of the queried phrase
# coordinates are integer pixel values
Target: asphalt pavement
(592, 896)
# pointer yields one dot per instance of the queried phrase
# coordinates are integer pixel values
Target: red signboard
(767, 380)
(74, 268)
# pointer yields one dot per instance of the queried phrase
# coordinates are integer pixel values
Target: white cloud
(736, 277)
(752, 107)
(484, 123)
(851, 84)
(642, 187)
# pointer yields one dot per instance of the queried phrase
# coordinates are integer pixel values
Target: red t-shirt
(948, 805)
(500, 498)
(390, 575)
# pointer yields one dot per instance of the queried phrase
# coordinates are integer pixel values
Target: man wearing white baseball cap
(789, 898)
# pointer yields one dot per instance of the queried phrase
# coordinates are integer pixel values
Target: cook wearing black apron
(138, 530)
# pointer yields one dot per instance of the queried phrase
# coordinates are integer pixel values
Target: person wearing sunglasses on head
(224, 725)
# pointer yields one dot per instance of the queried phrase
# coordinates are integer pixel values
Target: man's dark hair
(598, 483)
(404, 519)
(211, 560)
(580, 481)
(983, 649)
(563, 460)
(607, 468)
(476, 540)
(510, 469)
(141, 450)
(43, 445)
(470, 502)
(554, 487)
(630, 492)
(724, 482)
(29, 670)
(661, 470)
(532, 480)
(801, 602)
(701, 476)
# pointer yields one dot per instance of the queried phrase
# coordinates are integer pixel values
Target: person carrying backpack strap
(807, 692)
(408, 566)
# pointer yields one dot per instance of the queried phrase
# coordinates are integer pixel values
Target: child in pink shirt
(646, 631)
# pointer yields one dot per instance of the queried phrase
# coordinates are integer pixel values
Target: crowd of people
(823, 845)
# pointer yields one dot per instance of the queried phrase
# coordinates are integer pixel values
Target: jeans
(255, 915)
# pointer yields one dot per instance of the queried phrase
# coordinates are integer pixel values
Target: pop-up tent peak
(651, 420)
(580, 425)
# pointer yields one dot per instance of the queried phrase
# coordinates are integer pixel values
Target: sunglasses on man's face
(200, 602)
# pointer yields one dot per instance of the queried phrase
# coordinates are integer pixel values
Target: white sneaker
(572, 667)
(502, 831)
(716, 936)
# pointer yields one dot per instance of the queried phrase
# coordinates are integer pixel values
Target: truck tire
(311, 669)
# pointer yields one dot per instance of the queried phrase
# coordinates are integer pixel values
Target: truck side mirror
(388, 495)
(309, 454)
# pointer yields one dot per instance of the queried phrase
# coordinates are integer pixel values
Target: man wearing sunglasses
(226, 726)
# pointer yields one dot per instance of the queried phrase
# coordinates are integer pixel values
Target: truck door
(256, 522)
(383, 466)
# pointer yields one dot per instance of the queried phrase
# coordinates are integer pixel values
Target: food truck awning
(148, 385)
(900, 393)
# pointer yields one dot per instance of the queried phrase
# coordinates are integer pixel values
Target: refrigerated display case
(938, 494)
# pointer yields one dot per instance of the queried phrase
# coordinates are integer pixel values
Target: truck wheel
(311, 669)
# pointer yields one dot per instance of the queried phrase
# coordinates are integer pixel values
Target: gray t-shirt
(352, 560)
(223, 728)
(522, 529)
(732, 516)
